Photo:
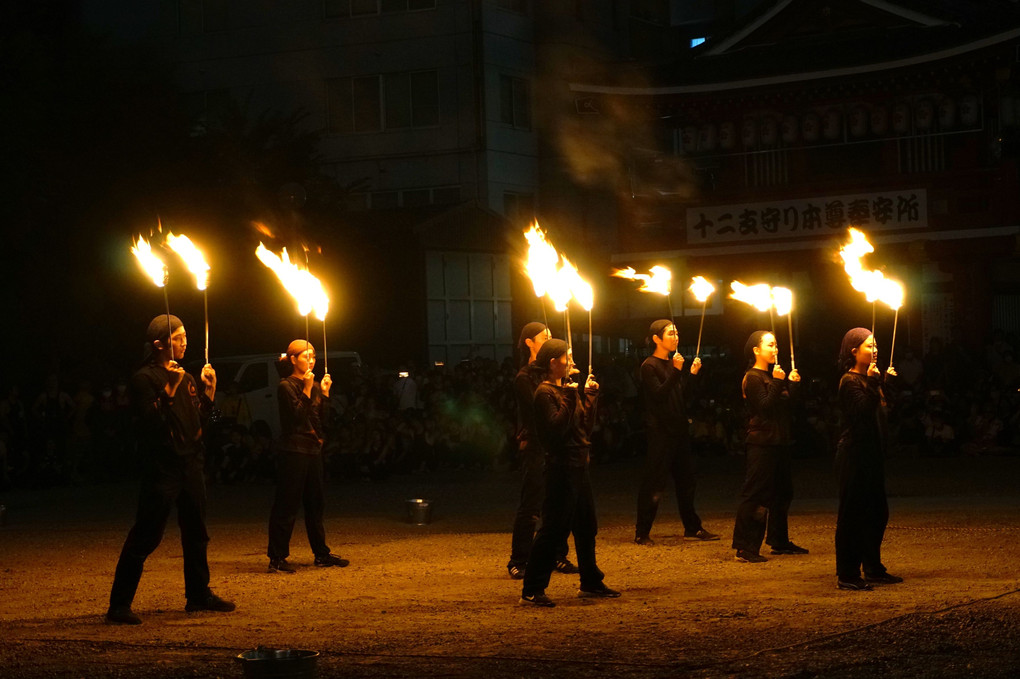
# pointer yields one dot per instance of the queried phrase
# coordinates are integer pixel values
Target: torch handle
(772, 323)
(325, 354)
(892, 347)
(205, 299)
(166, 301)
(697, 351)
(589, 343)
(793, 363)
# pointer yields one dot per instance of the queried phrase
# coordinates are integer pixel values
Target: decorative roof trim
(799, 77)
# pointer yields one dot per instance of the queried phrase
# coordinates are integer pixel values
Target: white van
(258, 378)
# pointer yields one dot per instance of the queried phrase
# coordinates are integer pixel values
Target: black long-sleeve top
(525, 384)
(768, 404)
(862, 416)
(563, 423)
(666, 391)
(165, 425)
(301, 417)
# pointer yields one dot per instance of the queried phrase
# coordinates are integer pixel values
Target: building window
(519, 6)
(382, 102)
(380, 200)
(518, 207)
(515, 102)
(342, 9)
(207, 109)
(696, 41)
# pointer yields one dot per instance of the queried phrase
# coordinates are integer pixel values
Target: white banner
(798, 217)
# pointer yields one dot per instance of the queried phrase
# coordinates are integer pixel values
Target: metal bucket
(278, 663)
(419, 511)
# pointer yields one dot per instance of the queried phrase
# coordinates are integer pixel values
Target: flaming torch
(875, 286)
(541, 264)
(305, 288)
(659, 280)
(157, 271)
(782, 300)
(581, 291)
(893, 296)
(195, 261)
(701, 289)
(759, 296)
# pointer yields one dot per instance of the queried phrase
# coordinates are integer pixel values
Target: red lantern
(810, 127)
(727, 135)
(788, 130)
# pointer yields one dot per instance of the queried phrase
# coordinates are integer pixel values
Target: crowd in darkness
(947, 402)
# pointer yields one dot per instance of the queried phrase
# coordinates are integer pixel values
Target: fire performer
(532, 459)
(860, 468)
(170, 411)
(564, 417)
(304, 406)
(768, 483)
(667, 392)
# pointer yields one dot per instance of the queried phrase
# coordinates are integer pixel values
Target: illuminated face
(559, 368)
(767, 348)
(867, 353)
(179, 343)
(304, 361)
(670, 338)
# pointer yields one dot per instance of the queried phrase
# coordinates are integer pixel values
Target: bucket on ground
(278, 663)
(419, 511)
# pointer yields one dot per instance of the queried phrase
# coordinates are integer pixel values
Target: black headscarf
(851, 340)
(753, 341)
(553, 348)
(157, 330)
(529, 331)
(657, 328)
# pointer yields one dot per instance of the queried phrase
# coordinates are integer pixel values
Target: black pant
(764, 499)
(668, 455)
(174, 480)
(568, 508)
(529, 508)
(298, 481)
(863, 515)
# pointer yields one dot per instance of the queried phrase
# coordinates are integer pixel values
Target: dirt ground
(435, 601)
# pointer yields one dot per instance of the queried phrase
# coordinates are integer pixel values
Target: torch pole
(589, 343)
(545, 317)
(205, 300)
(325, 354)
(566, 323)
(669, 303)
(166, 301)
(793, 363)
(772, 322)
(873, 319)
(892, 347)
(697, 351)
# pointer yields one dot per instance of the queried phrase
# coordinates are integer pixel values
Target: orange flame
(659, 280)
(541, 263)
(305, 288)
(759, 296)
(874, 284)
(782, 300)
(701, 288)
(152, 266)
(579, 288)
(192, 257)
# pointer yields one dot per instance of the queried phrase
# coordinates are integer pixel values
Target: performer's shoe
(883, 579)
(644, 540)
(328, 560)
(564, 566)
(599, 592)
(853, 585)
(788, 548)
(747, 556)
(539, 600)
(210, 602)
(516, 572)
(702, 535)
(122, 615)
(280, 566)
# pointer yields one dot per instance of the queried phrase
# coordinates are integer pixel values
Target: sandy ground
(435, 601)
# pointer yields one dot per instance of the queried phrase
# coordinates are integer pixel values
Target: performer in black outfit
(860, 468)
(532, 460)
(303, 408)
(563, 422)
(170, 411)
(768, 484)
(667, 392)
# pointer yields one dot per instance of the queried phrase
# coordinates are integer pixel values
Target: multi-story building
(785, 128)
